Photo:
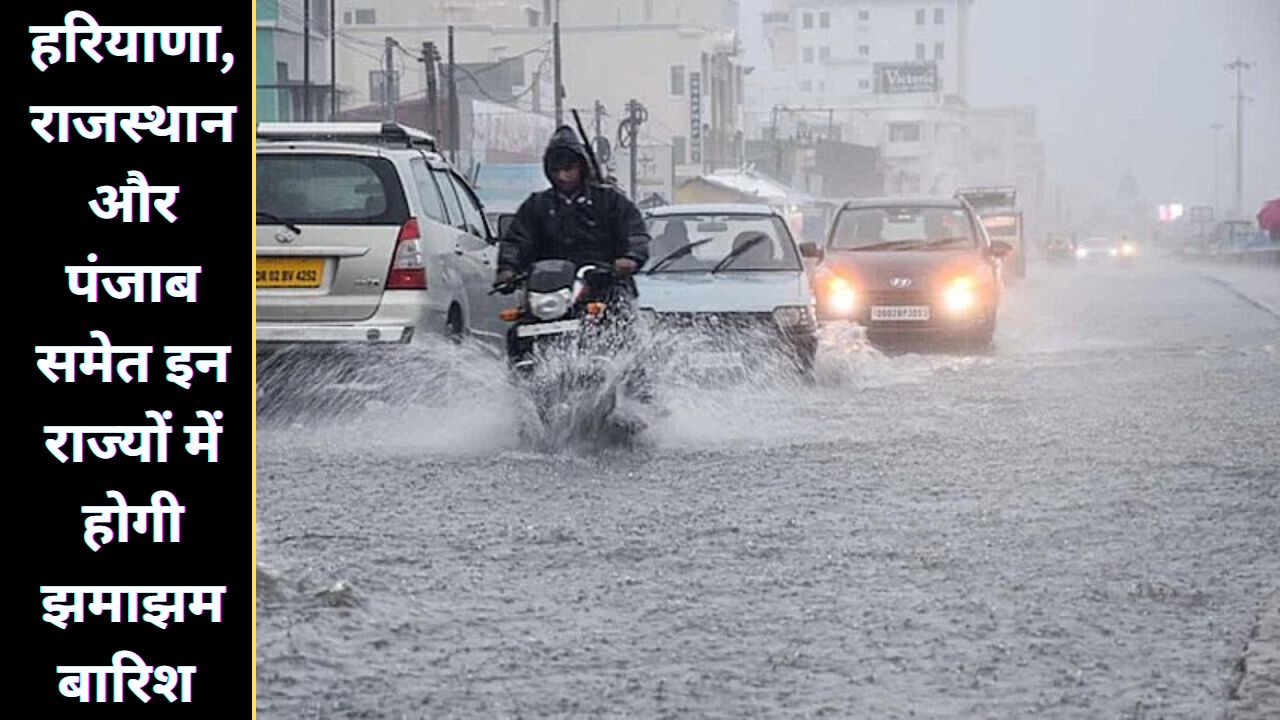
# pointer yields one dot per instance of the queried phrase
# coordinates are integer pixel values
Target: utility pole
(1217, 164)
(429, 57)
(386, 80)
(555, 41)
(306, 60)
(629, 136)
(1239, 66)
(453, 104)
(333, 60)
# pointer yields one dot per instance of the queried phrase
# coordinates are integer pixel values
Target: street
(1082, 523)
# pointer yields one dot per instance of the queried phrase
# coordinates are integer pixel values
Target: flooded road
(1082, 523)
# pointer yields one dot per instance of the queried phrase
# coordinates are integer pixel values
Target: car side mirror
(811, 250)
(1001, 249)
(504, 224)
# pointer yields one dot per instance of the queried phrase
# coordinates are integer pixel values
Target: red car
(906, 267)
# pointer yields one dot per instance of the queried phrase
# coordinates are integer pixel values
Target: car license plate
(715, 360)
(290, 272)
(899, 312)
(550, 328)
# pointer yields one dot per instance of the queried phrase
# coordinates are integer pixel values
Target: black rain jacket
(598, 226)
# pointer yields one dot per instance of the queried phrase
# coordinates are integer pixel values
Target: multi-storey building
(679, 58)
(290, 85)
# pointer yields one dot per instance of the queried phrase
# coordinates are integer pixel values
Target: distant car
(366, 236)
(904, 267)
(1102, 249)
(715, 268)
(1060, 249)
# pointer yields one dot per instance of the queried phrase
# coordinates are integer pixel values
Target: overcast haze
(1122, 84)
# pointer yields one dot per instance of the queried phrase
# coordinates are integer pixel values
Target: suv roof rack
(357, 132)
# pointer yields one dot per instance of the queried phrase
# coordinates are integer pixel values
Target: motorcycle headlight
(794, 316)
(552, 305)
(960, 295)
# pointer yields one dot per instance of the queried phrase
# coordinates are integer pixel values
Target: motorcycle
(571, 347)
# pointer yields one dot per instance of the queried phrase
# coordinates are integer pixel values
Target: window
(919, 51)
(864, 84)
(648, 10)
(473, 219)
(904, 132)
(334, 190)
(320, 15)
(346, 17)
(920, 16)
(808, 54)
(677, 79)
(824, 54)
(806, 86)
(546, 12)
(380, 91)
(824, 19)
(822, 86)
(939, 16)
(864, 15)
(808, 21)
(937, 51)
(864, 50)
(432, 202)
(532, 16)
(366, 17)
(678, 150)
(860, 227)
(456, 218)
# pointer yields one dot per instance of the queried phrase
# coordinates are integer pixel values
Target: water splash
(445, 399)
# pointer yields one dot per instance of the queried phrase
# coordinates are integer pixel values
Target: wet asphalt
(1083, 522)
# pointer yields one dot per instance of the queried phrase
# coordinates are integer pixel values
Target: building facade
(292, 85)
(680, 59)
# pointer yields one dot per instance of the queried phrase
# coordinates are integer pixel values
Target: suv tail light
(408, 270)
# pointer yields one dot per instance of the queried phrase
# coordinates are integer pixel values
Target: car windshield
(701, 243)
(330, 190)
(914, 227)
(1098, 242)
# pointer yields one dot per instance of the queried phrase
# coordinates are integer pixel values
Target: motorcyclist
(578, 218)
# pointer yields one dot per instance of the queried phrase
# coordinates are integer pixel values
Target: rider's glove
(625, 266)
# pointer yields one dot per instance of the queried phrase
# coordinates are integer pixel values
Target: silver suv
(366, 235)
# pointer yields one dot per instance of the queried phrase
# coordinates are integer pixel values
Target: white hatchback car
(730, 270)
(367, 236)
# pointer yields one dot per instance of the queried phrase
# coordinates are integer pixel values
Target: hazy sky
(1122, 84)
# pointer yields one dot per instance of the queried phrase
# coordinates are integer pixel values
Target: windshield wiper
(890, 245)
(279, 220)
(943, 242)
(677, 254)
(738, 252)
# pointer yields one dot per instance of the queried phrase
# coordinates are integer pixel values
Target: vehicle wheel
(805, 358)
(983, 337)
(455, 330)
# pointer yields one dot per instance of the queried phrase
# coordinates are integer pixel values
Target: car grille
(711, 322)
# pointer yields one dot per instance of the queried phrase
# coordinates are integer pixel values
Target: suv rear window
(332, 190)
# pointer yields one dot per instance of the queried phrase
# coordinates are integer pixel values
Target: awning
(1269, 216)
